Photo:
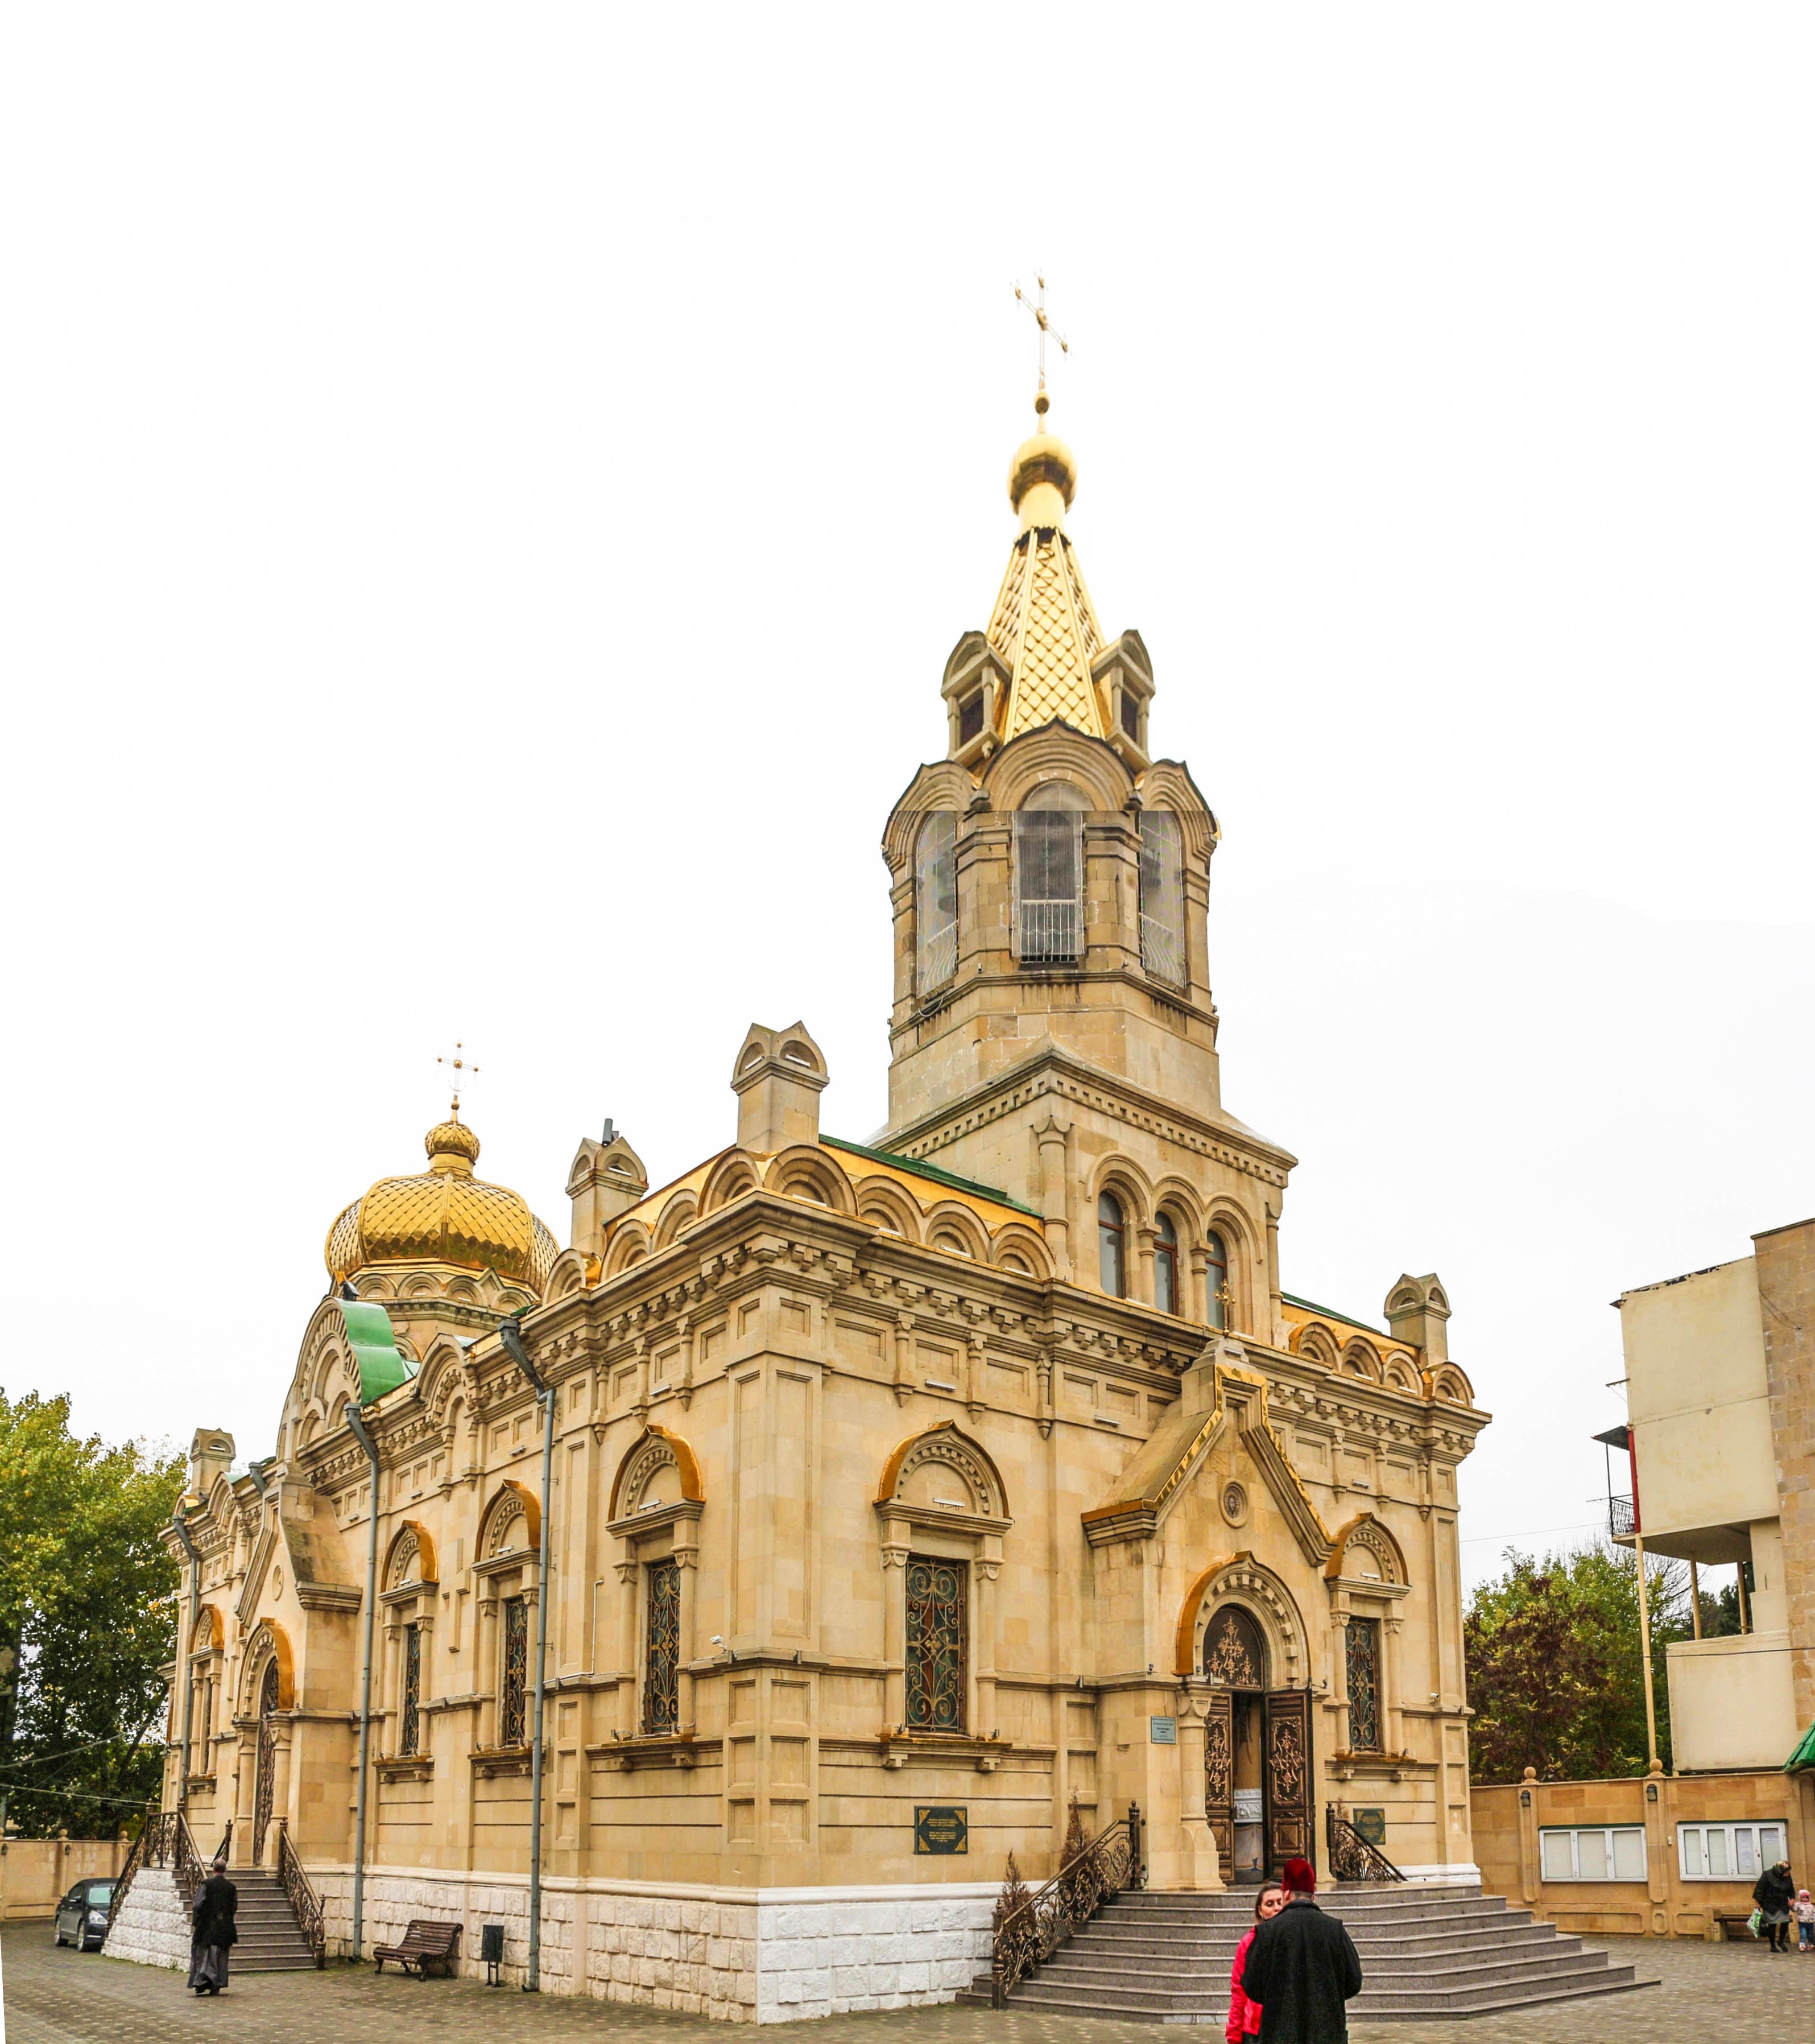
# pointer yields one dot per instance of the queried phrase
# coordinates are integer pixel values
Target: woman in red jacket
(1244, 2015)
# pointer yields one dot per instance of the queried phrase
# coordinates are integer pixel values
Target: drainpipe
(183, 1672)
(510, 1333)
(365, 1442)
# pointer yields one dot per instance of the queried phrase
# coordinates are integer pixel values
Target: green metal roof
(373, 1341)
(933, 1171)
(1348, 1320)
(1803, 1758)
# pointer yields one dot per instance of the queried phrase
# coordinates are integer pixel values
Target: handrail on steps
(1351, 1856)
(303, 1899)
(1028, 1936)
(164, 1839)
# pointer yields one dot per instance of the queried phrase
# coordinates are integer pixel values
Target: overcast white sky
(489, 494)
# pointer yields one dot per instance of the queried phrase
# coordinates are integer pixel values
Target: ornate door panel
(1291, 1791)
(267, 1761)
(1219, 1775)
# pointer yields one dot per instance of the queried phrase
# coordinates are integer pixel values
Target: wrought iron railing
(303, 1899)
(1622, 1520)
(1162, 951)
(1048, 933)
(164, 1840)
(1351, 1856)
(1028, 1937)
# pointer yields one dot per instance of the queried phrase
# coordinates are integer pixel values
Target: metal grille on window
(515, 1672)
(936, 902)
(1364, 1685)
(266, 1762)
(1048, 891)
(409, 1736)
(935, 1644)
(662, 1665)
(1162, 898)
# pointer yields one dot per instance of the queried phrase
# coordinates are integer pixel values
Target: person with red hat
(1302, 1967)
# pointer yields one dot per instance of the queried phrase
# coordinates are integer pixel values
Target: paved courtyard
(1739, 1993)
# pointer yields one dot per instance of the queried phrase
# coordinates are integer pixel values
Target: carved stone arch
(656, 1450)
(308, 1426)
(1405, 1296)
(373, 1285)
(499, 1530)
(420, 1286)
(1366, 1535)
(889, 1207)
(730, 1178)
(1179, 1198)
(1167, 785)
(333, 1368)
(629, 1244)
(210, 1634)
(444, 1364)
(1056, 752)
(410, 1558)
(1402, 1374)
(1361, 1358)
(1450, 1385)
(269, 1642)
(955, 1231)
(1016, 1244)
(945, 785)
(1315, 1342)
(942, 1454)
(1130, 1184)
(807, 1173)
(681, 1211)
(575, 1270)
(1239, 1579)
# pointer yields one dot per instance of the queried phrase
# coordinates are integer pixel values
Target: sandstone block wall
(1786, 1301)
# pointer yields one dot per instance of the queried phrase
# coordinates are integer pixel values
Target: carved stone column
(895, 1622)
(983, 1641)
(1198, 1862)
(1054, 1202)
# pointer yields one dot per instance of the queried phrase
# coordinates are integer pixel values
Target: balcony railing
(1622, 1519)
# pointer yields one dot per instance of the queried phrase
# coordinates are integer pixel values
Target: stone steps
(1425, 1952)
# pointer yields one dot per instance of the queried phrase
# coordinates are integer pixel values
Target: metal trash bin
(492, 1951)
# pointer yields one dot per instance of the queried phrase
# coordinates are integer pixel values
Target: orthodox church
(902, 1494)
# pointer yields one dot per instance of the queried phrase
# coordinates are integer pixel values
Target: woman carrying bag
(1773, 1893)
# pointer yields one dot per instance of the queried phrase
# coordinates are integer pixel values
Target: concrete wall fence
(36, 1873)
(1656, 1856)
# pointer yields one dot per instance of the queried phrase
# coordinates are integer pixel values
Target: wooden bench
(1732, 1928)
(425, 1944)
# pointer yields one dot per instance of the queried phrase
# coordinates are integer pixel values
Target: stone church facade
(978, 1469)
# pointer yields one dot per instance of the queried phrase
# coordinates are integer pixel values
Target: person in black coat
(213, 1934)
(1773, 1893)
(1302, 1967)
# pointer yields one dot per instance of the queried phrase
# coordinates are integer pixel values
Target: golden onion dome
(443, 1215)
(1042, 478)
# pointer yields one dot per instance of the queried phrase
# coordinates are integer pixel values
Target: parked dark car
(82, 1915)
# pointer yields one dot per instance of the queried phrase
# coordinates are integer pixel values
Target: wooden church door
(1219, 1774)
(1292, 1828)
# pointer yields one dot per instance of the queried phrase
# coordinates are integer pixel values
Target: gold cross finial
(1038, 308)
(459, 1065)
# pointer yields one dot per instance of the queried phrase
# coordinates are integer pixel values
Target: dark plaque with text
(940, 1828)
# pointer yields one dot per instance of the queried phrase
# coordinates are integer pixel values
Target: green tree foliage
(85, 1619)
(1554, 1664)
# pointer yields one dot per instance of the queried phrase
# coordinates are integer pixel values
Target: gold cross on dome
(1038, 310)
(458, 1066)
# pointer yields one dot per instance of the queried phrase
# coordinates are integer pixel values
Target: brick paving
(1739, 1993)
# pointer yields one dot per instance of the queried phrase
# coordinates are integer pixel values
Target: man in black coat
(1302, 1967)
(213, 1934)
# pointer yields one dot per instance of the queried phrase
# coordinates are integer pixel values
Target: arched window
(1166, 1265)
(1112, 1246)
(1162, 898)
(936, 902)
(1049, 877)
(661, 1685)
(1216, 1282)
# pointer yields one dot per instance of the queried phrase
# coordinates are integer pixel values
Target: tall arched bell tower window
(1049, 877)
(935, 901)
(1162, 898)
(1166, 1264)
(1112, 1246)
(1216, 1281)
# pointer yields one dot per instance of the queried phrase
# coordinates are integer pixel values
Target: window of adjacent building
(514, 1681)
(1595, 1852)
(1162, 898)
(1728, 1852)
(970, 718)
(1363, 1670)
(936, 900)
(1216, 1281)
(936, 1632)
(1166, 1265)
(1049, 877)
(1112, 1246)
(661, 1658)
(409, 1733)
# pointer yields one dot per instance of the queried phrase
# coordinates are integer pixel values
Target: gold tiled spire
(1043, 627)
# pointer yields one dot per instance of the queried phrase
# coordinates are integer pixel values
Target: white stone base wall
(1464, 1872)
(761, 1955)
(151, 1928)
